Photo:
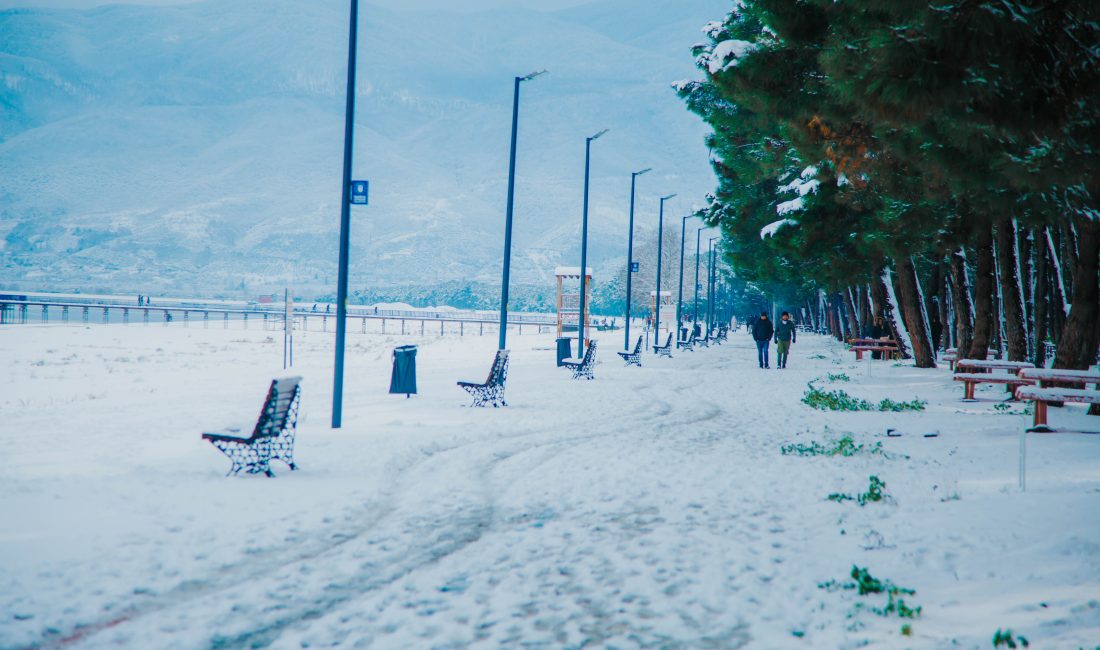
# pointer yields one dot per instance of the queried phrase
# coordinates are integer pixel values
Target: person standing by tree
(784, 336)
(762, 332)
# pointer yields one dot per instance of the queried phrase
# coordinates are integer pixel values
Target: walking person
(784, 336)
(762, 332)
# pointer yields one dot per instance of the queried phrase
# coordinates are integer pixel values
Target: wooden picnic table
(861, 345)
(1048, 377)
(982, 371)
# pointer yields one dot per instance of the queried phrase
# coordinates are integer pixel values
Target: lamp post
(630, 256)
(584, 241)
(698, 234)
(711, 282)
(345, 225)
(508, 211)
(660, 257)
(680, 291)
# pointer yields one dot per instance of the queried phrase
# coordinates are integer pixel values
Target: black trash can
(565, 349)
(403, 379)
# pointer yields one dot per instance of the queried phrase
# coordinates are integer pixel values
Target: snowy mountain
(198, 147)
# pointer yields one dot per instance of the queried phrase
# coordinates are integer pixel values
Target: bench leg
(1040, 418)
(969, 390)
(859, 355)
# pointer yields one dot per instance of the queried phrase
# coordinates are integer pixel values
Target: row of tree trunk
(1011, 292)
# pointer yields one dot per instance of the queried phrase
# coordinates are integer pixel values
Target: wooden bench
(688, 344)
(583, 367)
(891, 350)
(1043, 396)
(633, 358)
(273, 436)
(492, 391)
(666, 349)
(950, 356)
(982, 371)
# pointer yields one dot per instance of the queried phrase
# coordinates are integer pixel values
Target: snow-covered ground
(651, 507)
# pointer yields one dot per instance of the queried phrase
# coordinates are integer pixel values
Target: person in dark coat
(762, 333)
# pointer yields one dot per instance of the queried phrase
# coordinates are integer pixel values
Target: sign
(634, 267)
(359, 190)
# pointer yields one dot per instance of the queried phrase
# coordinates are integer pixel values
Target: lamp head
(665, 198)
(533, 75)
(647, 169)
(597, 136)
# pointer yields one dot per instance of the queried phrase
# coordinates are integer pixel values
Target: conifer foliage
(933, 163)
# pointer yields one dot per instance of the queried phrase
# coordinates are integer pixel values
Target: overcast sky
(453, 5)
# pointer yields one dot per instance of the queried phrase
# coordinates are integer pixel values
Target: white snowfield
(649, 508)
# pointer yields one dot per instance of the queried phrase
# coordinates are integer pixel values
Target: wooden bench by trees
(982, 371)
(861, 345)
(666, 349)
(273, 436)
(492, 390)
(583, 367)
(633, 358)
(1055, 387)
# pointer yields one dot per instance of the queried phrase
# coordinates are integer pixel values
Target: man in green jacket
(784, 335)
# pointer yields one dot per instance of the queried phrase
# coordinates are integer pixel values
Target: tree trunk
(865, 317)
(1039, 306)
(853, 318)
(913, 313)
(1027, 281)
(964, 309)
(1012, 294)
(944, 289)
(983, 295)
(932, 306)
(1077, 349)
(883, 290)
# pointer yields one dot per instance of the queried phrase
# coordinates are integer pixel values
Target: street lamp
(711, 281)
(345, 225)
(508, 212)
(698, 234)
(657, 297)
(584, 240)
(630, 255)
(680, 292)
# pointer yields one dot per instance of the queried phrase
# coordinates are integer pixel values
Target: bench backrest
(638, 346)
(589, 354)
(668, 341)
(276, 409)
(499, 372)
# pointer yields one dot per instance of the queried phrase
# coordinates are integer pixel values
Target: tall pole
(345, 226)
(680, 292)
(698, 232)
(630, 256)
(711, 283)
(508, 212)
(660, 258)
(584, 243)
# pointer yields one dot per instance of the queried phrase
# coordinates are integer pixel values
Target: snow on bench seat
(1042, 396)
(1077, 377)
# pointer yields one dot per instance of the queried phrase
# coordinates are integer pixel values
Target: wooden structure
(569, 300)
(668, 310)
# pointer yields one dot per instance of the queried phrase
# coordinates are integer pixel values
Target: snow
(727, 54)
(650, 507)
(574, 271)
(773, 227)
(786, 207)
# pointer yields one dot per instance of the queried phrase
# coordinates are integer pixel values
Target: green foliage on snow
(1006, 639)
(876, 492)
(866, 584)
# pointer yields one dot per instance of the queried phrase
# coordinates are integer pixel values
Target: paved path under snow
(648, 508)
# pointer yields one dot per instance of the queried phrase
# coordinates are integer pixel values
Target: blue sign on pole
(634, 267)
(698, 286)
(359, 190)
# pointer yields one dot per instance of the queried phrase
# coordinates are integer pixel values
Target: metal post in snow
(508, 212)
(630, 256)
(660, 259)
(345, 224)
(584, 243)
